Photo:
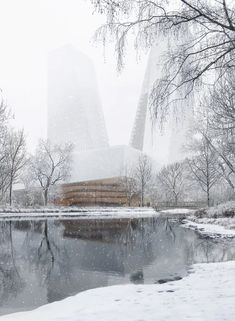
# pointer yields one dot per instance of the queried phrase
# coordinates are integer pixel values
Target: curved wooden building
(102, 192)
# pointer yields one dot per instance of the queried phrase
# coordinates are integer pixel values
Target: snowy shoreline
(211, 222)
(213, 227)
(217, 221)
(79, 213)
(203, 295)
(206, 294)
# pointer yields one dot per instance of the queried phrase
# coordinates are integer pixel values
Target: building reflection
(45, 261)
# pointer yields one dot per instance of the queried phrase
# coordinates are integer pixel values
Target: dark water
(44, 261)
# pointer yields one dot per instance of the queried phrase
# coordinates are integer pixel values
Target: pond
(42, 261)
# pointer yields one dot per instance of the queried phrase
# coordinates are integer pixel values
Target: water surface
(42, 261)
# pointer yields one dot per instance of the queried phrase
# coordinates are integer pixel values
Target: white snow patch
(214, 229)
(217, 221)
(221, 209)
(206, 295)
(81, 213)
(177, 211)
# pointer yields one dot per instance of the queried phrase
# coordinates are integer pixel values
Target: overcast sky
(29, 29)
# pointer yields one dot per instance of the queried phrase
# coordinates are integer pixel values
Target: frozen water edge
(207, 294)
(79, 213)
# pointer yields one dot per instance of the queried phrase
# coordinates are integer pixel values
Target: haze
(29, 30)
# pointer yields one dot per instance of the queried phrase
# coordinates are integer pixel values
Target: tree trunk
(176, 200)
(45, 197)
(142, 198)
(208, 196)
(10, 193)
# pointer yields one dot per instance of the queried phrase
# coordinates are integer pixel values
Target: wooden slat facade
(105, 192)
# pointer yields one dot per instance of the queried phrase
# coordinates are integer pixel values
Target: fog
(29, 31)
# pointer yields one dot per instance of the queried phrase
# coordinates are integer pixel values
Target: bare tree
(129, 183)
(12, 154)
(172, 180)
(221, 104)
(50, 165)
(221, 121)
(4, 170)
(32, 193)
(204, 165)
(228, 175)
(225, 154)
(143, 174)
(201, 40)
(15, 157)
(223, 145)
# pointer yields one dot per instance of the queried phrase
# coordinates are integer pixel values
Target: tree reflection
(47, 252)
(11, 283)
(49, 260)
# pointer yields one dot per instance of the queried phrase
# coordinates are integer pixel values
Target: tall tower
(164, 145)
(140, 127)
(74, 109)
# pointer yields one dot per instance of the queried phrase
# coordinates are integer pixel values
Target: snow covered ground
(77, 212)
(177, 211)
(207, 294)
(215, 221)
(213, 228)
(222, 210)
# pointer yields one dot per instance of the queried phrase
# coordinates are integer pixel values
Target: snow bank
(222, 210)
(86, 213)
(215, 228)
(206, 295)
(217, 221)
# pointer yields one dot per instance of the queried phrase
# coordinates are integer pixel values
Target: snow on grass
(222, 210)
(76, 212)
(206, 295)
(222, 227)
(216, 221)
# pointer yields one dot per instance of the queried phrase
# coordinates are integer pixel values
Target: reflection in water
(44, 261)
